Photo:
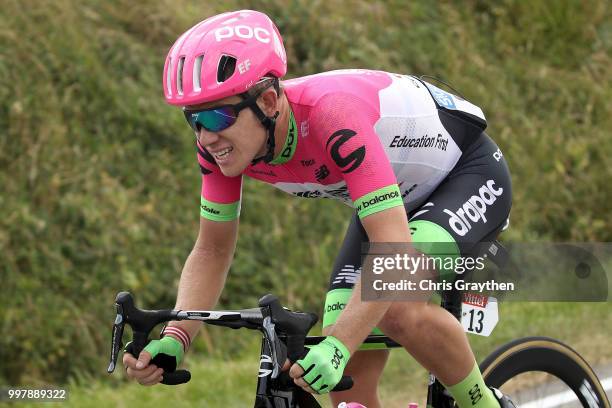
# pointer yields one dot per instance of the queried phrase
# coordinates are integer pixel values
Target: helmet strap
(269, 123)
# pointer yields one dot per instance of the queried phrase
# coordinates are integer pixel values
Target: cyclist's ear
(268, 101)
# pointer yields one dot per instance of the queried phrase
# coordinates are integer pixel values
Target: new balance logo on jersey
(348, 274)
(377, 199)
(474, 208)
(321, 173)
(438, 142)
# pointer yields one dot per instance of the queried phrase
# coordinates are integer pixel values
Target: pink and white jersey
(371, 139)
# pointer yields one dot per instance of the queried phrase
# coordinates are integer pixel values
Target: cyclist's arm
(359, 318)
(346, 128)
(205, 270)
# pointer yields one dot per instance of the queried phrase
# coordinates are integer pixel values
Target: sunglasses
(215, 119)
(218, 118)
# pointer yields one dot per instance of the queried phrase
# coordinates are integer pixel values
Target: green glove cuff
(167, 345)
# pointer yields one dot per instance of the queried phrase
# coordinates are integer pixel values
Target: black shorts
(470, 206)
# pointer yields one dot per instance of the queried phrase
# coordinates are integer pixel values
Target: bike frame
(278, 394)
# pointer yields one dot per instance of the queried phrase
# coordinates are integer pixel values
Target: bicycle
(285, 335)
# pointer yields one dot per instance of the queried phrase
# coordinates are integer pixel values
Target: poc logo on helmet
(243, 31)
(474, 208)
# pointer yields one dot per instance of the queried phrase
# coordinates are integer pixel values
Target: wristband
(180, 334)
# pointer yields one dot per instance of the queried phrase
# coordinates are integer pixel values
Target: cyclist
(391, 146)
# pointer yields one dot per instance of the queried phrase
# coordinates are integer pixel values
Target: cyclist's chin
(234, 168)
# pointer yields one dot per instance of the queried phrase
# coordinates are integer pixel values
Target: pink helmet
(221, 56)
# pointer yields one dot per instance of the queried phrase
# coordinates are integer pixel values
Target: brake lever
(116, 339)
(142, 322)
(278, 350)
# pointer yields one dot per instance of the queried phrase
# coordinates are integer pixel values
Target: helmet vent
(197, 73)
(179, 75)
(169, 78)
(227, 66)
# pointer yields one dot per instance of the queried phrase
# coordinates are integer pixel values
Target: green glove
(166, 345)
(324, 364)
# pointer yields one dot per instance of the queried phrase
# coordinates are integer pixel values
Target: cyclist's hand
(322, 367)
(142, 370)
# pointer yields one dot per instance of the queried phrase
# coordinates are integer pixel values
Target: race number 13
(479, 314)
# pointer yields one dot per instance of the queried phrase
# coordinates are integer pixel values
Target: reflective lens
(213, 120)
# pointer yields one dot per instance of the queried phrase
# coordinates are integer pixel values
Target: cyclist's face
(236, 146)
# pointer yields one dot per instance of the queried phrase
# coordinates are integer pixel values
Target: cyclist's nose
(206, 138)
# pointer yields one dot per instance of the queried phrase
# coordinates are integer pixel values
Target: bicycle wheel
(518, 361)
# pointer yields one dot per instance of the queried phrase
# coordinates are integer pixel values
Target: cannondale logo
(351, 161)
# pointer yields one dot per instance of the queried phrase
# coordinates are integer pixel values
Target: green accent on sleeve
(379, 200)
(219, 212)
(290, 143)
(436, 242)
(335, 302)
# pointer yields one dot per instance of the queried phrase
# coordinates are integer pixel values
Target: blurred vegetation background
(100, 183)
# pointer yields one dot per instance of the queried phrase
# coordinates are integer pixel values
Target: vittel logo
(348, 274)
(474, 208)
(243, 31)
